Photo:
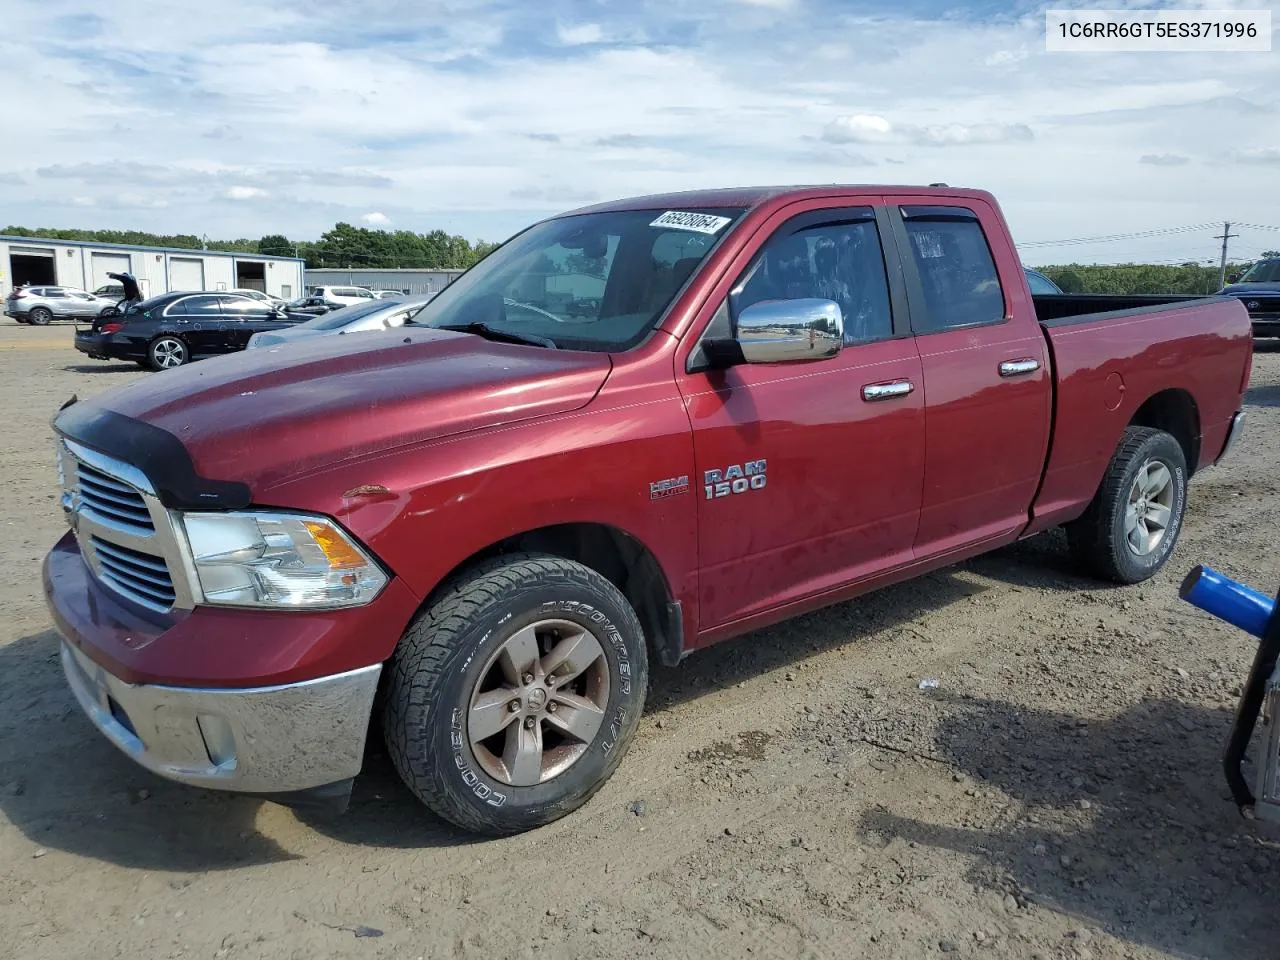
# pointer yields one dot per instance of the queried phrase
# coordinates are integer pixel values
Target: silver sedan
(358, 318)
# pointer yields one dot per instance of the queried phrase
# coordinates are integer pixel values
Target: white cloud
(773, 4)
(1264, 155)
(241, 192)
(376, 219)
(580, 33)
(869, 128)
(1164, 159)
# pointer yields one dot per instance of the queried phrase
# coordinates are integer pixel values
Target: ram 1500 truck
(632, 431)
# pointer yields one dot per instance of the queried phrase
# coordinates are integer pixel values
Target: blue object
(1227, 600)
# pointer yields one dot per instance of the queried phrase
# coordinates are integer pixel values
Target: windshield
(1268, 271)
(596, 281)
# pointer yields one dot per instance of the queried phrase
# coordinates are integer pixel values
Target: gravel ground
(791, 794)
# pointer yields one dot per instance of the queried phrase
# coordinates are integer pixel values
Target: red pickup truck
(632, 431)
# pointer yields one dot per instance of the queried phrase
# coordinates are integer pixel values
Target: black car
(314, 305)
(175, 328)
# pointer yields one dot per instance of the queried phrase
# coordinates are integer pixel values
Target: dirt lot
(793, 794)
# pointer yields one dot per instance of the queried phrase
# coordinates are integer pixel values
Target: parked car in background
(259, 295)
(360, 318)
(390, 294)
(176, 328)
(488, 524)
(40, 306)
(315, 306)
(1259, 289)
(1039, 284)
(343, 295)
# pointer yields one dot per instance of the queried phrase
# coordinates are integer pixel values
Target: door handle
(1019, 368)
(887, 391)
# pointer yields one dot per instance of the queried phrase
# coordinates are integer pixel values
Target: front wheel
(513, 697)
(1130, 529)
(166, 353)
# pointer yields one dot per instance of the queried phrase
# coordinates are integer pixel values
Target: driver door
(833, 461)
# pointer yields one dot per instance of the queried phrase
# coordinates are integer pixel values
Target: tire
(167, 352)
(40, 317)
(451, 659)
(1114, 543)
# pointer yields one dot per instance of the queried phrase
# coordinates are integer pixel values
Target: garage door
(102, 264)
(186, 274)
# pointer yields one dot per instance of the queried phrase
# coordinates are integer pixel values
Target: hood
(266, 415)
(1244, 289)
(131, 290)
(287, 335)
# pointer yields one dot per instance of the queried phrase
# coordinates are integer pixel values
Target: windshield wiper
(493, 333)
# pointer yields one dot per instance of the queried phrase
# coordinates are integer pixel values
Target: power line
(1165, 231)
(1255, 226)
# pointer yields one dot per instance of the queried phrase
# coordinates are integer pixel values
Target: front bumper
(253, 701)
(278, 739)
(1266, 325)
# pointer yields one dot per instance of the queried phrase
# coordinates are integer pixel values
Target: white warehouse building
(35, 261)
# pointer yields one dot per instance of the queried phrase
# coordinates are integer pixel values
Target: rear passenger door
(987, 384)
(197, 320)
(808, 473)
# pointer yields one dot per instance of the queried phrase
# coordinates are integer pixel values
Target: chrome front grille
(126, 536)
(140, 576)
(112, 498)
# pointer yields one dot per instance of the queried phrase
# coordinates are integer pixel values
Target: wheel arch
(618, 556)
(1175, 412)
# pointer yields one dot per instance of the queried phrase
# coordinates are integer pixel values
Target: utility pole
(1222, 266)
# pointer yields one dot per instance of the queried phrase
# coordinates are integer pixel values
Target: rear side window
(196, 306)
(841, 261)
(957, 270)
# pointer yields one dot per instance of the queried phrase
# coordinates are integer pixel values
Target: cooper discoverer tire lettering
(514, 695)
(1131, 527)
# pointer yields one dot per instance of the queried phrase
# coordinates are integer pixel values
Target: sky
(234, 118)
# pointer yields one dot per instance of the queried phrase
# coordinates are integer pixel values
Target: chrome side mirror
(781, 331)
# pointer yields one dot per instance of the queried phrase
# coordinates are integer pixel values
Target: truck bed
(1109, 364)
(1084, 307)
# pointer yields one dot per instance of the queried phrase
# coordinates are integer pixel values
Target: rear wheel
(513, 697)
(40, 316)
(167, 352)
(1132, 525)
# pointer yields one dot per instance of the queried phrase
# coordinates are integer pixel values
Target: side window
(957, 271)
(242, 308)
(196, 307)
(841, 261)
(55, 293)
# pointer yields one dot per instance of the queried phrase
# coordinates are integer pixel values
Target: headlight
(279, 560)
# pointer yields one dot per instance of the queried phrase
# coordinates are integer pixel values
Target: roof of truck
(749, 197)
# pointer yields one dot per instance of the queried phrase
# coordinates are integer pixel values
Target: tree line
(344, 246)
(1131, 278)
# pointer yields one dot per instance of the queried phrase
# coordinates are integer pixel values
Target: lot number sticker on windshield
(697, 222)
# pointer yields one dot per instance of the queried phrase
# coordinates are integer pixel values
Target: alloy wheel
(540, 702)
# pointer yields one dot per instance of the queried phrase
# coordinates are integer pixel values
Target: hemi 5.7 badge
(661, 489)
